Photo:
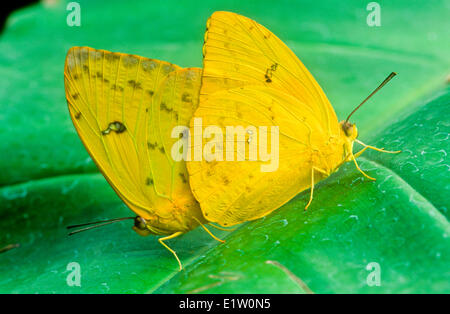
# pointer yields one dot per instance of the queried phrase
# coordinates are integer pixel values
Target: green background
(400, 221)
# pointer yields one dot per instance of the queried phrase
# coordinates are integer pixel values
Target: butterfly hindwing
(232, 191)
(114, 101)
(174, 105)
(251, 77)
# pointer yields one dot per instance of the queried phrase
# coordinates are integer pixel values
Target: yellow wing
(240, 52)
(231, 192)
(116, 104)
(251, 78)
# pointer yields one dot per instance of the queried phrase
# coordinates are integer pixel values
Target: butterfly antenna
(96, 223)
(387, 79)
(9, 247)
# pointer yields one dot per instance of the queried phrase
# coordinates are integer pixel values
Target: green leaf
(424, 139)
(400, 221)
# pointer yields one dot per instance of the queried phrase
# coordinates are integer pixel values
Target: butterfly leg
(360, 152)
(357, 167)
(312, 184)
(161, 240)
(220, 228)
(377, 149)
(209, 232)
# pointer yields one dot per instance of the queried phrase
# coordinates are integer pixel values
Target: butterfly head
(350, 130)
(349, 135)
(141, 226)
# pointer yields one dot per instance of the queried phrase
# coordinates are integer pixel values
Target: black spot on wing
(117, 87)
(134, 84)
(183, 177)
(164, 107)
(269, 72)
(151, 145)
(186, 97)
(115, 126)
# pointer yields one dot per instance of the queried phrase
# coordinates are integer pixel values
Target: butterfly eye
(347, 127)
(140, 223)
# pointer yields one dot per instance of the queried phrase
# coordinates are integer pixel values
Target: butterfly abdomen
(174, 216)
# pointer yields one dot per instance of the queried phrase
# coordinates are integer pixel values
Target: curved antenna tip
(387, 79)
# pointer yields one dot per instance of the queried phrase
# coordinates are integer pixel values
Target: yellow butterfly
(251, 78)
(124, 108)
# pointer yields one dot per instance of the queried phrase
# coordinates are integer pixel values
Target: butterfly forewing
(231, 192)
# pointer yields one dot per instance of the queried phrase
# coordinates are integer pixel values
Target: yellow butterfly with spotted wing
(124, 108)
(251, 78)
